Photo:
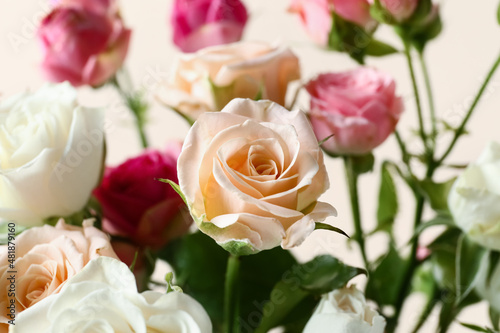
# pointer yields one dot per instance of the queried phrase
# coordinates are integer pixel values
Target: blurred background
(458, 61)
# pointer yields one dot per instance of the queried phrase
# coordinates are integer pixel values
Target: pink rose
(46, 257)
(139, 207)
(400, 10)
(201, 23)
(358, 107)
(252, 175)
(83, 44)
(316, 15)
(103, 6)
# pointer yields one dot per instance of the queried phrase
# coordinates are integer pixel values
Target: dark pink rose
(137, 206)
(83, 44)
(360, 108)
(201, 23)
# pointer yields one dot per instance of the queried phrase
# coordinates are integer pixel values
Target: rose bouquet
(85, 243)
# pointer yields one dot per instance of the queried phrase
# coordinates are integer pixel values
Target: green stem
(352, 182)
(231, 295)
(416, 92)
(412, 266)
(136, 109)
(461, 129)
(430, 97)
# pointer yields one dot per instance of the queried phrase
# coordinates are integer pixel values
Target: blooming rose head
(45, 258)
(103, 298)
(51, 152)
(137, 206)
(400, 10)
(251, 175)
(201, 23)
(316, 15)
(83, 44)
(473, 199)
(345, 311)
(359, 108)
(209, 79)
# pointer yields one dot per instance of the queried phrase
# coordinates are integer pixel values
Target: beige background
(458, 61)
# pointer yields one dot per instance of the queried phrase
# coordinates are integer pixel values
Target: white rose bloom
(103, 298)
(345, 311)
(474, 199)
(51, 152)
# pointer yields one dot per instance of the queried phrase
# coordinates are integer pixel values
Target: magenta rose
(359, 108)
(201, 23)
(83, 44)
(316, 15)
(137, 206)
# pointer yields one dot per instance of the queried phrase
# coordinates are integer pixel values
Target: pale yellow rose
(252, 174)
(208, 79)
(45, 258)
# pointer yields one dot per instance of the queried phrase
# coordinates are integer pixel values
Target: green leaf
(443, 251)
(469, 256)
(324, 226)
(377, 48)
(478, 328)
(385, 280)
(318, 276)
(495, 318)
(362, 163)
(437, 193)
(200, 267)
(387, 200)
(175, 187)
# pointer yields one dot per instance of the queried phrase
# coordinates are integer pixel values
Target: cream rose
(208, 79)
(345, 311)
(252, 174)
(51, 151)
(474, 198)
(45, 258)
(103, 298)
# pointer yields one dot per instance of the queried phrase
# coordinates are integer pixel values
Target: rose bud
(137, 206)
(400, 10)
(359, 108)
(82, 44)
(201, 23)
(316, 15)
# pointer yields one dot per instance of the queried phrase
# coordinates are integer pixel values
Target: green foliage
(437, 193)
(299, 292)
(200, 268)
(324, 226)
(387, 200)
(385, 280)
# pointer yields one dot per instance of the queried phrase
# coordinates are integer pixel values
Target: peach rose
(252, 174)
(45, 258)
(209, 79)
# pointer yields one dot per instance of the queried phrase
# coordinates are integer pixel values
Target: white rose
(103, 298)
(252, 175)
(474, 199)
(208, 79)
(51, 152)
(345, 311)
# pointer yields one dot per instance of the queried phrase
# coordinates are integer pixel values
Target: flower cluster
(81, 238)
